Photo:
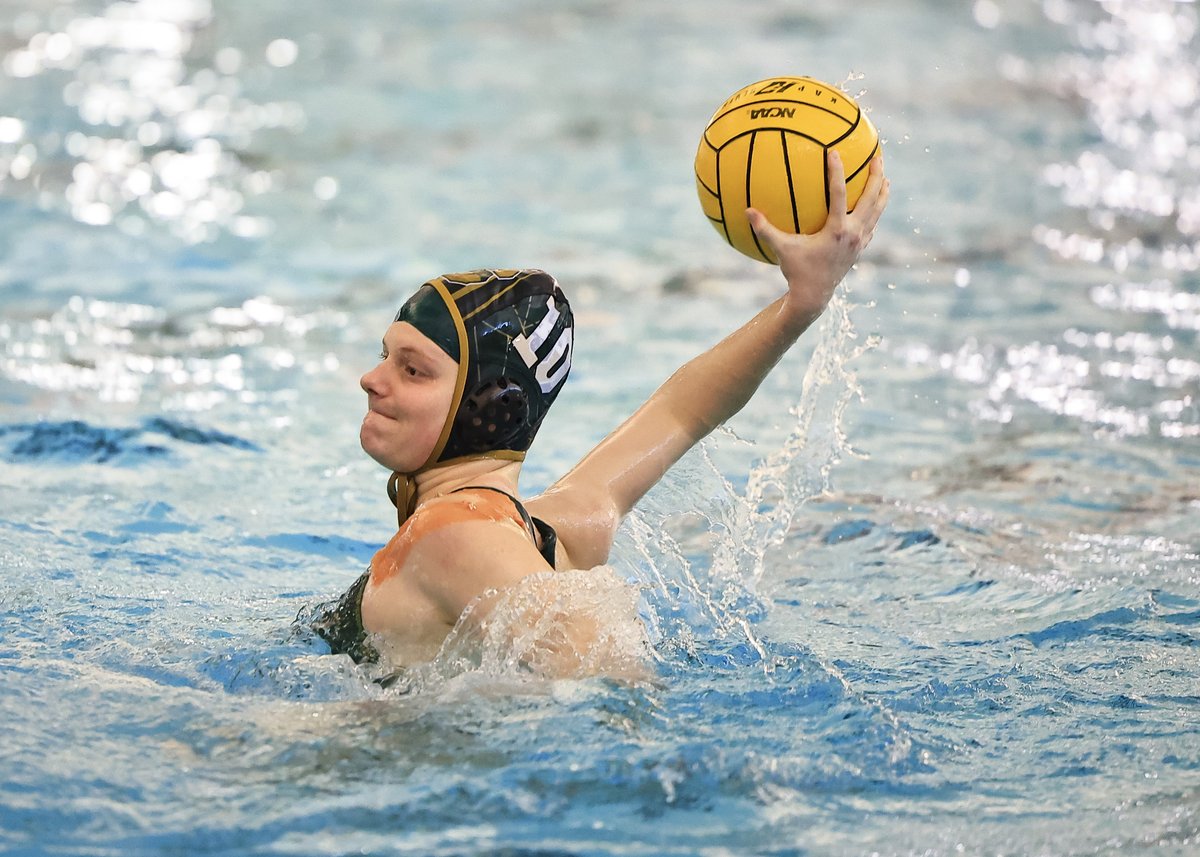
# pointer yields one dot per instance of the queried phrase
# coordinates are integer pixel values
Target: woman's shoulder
(460, 547)
(437, 514)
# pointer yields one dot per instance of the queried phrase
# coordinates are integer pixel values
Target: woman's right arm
(587, 505)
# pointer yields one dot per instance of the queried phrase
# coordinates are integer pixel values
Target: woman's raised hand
(814, 264)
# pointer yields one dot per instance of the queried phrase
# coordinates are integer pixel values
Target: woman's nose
(370, 381)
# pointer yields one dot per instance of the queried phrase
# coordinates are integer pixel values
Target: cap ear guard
(492, 415)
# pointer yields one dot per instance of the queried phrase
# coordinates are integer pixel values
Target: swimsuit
(339, 623)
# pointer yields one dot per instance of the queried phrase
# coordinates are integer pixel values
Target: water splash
(571, 624)
(803, 467)
(700, 545)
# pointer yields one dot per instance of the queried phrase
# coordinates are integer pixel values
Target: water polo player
(470, 366)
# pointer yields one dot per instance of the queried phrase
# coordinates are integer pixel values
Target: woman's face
(409, 395)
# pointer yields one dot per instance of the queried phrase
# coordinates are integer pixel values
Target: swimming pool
(936, 591)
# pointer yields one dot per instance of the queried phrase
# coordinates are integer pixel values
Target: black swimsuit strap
(538, 529)
(549, 540)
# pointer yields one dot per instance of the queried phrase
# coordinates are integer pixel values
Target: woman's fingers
(837, 185)
(875, 194)
(765, 229)
(839, 223)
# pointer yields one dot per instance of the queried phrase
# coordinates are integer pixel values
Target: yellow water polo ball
(766, 146)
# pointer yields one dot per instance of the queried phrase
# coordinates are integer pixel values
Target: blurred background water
(936, 591)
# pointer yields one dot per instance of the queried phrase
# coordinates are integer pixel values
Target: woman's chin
(372, 455)
(377, 447)
(370, 441)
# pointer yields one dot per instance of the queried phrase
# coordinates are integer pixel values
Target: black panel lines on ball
(787, 169)
(721, 201)
(749, 201)
(825, 172)
(770, 128)
(850, 130)
(704, 185)
(865, 163)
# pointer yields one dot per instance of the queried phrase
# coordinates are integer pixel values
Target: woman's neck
(486, 472)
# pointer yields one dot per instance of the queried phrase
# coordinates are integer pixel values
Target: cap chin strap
(402, 491)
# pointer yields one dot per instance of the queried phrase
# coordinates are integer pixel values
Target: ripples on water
(937, 592)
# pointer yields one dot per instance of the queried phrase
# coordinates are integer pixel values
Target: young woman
(470, 366)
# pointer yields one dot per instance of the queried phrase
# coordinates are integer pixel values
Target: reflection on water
(1074, 378)
(1137, 74)
(132, 353)
(1132, 368)
(164, 121)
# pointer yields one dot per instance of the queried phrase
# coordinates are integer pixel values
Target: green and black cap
(511, 332)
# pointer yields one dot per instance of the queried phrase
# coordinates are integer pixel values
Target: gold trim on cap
(464, 356)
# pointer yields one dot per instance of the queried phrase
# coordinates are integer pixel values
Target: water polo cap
(511, 333)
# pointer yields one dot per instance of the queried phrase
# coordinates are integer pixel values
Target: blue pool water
(936, 591)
